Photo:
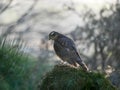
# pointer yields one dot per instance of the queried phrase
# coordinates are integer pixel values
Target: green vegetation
(13, 66)
(18, 70)
(68, 78)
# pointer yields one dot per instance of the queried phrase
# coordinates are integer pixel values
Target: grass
(13, 65)
(18, 70)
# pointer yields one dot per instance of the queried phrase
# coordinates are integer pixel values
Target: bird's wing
(69, 45)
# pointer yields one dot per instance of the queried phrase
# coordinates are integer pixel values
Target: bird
(66, 50)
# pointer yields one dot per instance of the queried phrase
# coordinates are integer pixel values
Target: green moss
(68, 78)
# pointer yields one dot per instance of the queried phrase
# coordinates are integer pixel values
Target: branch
(6, 7)
(20, 20)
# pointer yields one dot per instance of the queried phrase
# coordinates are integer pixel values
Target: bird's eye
(52, 34)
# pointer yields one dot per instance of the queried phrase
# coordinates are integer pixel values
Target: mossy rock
(68, 78)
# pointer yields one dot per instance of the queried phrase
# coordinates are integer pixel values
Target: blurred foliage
(102, 33)
(18, 71)
(41, 66)
(68, 78)
(13, 66)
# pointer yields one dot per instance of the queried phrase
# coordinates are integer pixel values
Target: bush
(13, 66)
(18, 71)
(68, 78)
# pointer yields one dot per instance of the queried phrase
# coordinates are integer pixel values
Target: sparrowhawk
(65, 49)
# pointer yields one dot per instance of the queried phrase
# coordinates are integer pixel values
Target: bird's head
(53, 35)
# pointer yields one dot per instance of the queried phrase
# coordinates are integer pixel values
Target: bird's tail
(83, 65)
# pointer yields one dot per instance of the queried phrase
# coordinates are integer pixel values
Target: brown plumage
(66, 50)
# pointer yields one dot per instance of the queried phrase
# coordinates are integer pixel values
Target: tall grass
(13, 65)
(18, 70)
